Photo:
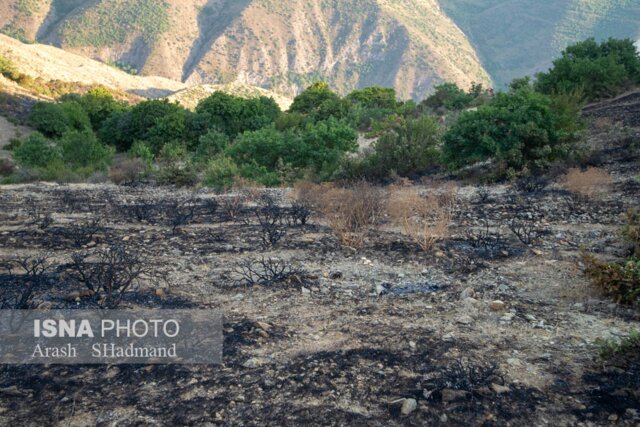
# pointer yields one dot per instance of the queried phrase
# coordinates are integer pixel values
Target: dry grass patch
(423, 217)
(349, 211)
(587, 184)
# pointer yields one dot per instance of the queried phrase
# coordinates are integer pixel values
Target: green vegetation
(619, 280)
(449, 97)
(506, 135)
(114, 22)
(598, 70)
(611, 347)
(8, 69)
(522, 131)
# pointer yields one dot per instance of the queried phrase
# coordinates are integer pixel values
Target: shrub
(140, 150)
(407, 150)
(177, 175)
(53, 120)
(8, 69)
(627, 345)
(620, 281)
(599, 69)
(36, 151)
(313, 98)
(587, 184)
(220, 173)
(351, 211)
(233, 115)
(425, 218)
(631, 232)
(448, 96)
(82, 150)
(128, 171)
(6, 167)
(210, 145)
(521, 130)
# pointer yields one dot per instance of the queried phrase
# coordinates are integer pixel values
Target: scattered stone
(514, 362)
(497, 305)
(503, 288)
(508, 317)
(467, 293)
(500, 389)
(408, 406)
(464, 320)
(306, 292)
(449, 395)
(73, 297)
(335, 276)
(537, 252)
(160, 293)
(530, 317)
(253, 363)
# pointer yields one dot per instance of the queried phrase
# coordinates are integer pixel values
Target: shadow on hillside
(213, 20)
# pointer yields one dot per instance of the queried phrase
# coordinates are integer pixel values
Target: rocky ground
(484, 330)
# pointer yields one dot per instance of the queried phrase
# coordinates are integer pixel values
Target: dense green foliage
(233, 115)
(227, 137)
(53, 120)
(408, 149)
(449, 97)
(598, 69)
(521, 130)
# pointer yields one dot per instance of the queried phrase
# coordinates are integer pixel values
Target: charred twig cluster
(265, 271)
(80, 234)
(17, 291)
(461, 376)
(271, 219)
(527, 231)
(232, 206)
(144, 211)
(109, 273)
(181, 213)
(531, 184)
(299, 213)
(37, 216)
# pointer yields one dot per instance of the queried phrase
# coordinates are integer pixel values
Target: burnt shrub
(17, 290)
(271, 219)
(526, 230)
(181, 212)
(266, 271)
(109, 273)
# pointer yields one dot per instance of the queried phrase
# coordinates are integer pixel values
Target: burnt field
(491, 323)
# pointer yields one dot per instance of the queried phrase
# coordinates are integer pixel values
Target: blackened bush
(109, 273)
(18, 291)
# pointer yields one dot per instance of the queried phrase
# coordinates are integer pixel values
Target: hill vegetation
(521, 132)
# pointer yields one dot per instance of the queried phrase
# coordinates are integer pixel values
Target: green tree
(155, 122)
(210, 145)
(221, 173)
(448, 96)
(99, 105)
(81, 150)
(374, 97)
(53, 120)
(313, 97)
(598, 69)
(36, 151)
(234, 115)
(519, 130)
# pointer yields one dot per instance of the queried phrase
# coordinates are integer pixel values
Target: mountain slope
(520, 37)
(284, 45)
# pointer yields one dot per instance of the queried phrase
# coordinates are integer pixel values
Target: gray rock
(408, 406)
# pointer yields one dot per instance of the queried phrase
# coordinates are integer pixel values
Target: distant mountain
(514, 38)
(285, 45)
